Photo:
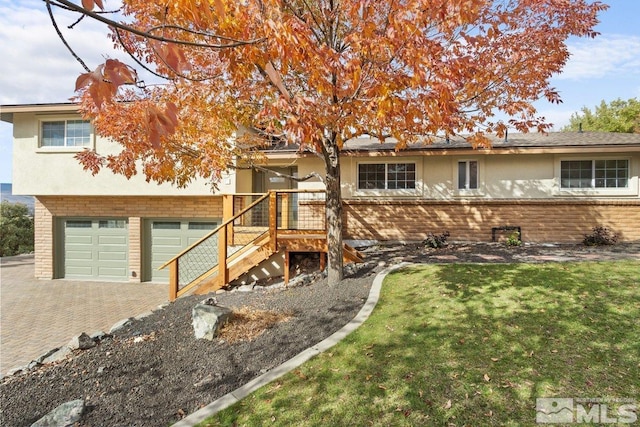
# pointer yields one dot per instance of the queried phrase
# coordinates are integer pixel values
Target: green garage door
(170, 237)
(96, 249)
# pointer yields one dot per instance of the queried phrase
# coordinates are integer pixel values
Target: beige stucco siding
(54, 170)
(308, 165)
(501, 176)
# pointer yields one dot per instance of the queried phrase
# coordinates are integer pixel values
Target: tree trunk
(331, 155)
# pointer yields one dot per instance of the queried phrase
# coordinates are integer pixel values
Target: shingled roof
(516, 140)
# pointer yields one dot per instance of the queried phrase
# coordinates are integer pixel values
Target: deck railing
(251, 218)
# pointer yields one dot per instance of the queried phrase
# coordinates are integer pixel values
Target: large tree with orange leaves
(317, 73)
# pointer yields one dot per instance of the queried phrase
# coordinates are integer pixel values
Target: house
(554, 186)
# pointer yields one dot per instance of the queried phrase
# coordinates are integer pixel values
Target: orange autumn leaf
(89, 4)
(119, 73)
(172, 56)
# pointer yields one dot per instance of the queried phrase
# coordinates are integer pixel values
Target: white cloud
(35, 66)
(604, 56)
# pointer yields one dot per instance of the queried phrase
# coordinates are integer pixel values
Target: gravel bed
(153, 372)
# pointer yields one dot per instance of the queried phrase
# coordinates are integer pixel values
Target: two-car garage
(98, 248)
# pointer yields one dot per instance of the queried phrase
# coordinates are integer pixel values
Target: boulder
(81, 342)
(64, 415)
(208, 318)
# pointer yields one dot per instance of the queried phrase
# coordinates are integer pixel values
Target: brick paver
(39, 315)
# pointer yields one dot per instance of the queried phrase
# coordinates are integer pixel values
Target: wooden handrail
(224, 224)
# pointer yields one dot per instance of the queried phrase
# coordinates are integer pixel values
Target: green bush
(16, 229)
(513, 239)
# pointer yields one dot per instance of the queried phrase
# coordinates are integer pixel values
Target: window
(112, 223)
(386, 176)
(166, 225)
(66, 133)
(78, 224)
(468, 175)
(594, 174)
(202, 225)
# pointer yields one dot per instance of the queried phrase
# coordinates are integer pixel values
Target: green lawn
(455, 345)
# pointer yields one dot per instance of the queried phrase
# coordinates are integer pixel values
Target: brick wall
(135, 209)
(541, 220)
(43, 242)
(561, 221)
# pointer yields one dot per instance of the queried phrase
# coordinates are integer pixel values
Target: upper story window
(66, 133)
(386, 176)
(468, 175)
(594, 174)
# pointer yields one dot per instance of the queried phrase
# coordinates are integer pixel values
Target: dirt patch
(248, 323)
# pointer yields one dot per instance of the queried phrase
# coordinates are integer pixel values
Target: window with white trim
(66, 133)
(386, 176)
(594, 173)
(468, 175)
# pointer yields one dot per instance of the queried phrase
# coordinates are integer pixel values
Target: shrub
(513, 239)
(16, 229)
(600, 236)
(439, 241)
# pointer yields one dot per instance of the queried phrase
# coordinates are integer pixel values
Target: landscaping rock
(44, 356)
(208, 318)
(64, 415)
(246, 288)
(98, 336)
(57, 356)
(81, 342)
(119, 325)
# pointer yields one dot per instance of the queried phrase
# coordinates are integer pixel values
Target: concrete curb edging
(297, 360)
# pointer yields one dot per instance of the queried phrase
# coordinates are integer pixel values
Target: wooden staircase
(275, 223)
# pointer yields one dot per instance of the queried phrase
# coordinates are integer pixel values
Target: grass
(464, 344)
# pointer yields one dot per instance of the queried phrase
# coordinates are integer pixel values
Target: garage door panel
(78, 271)
(167, 242)
(79, 240)
(112, 240)
(79, 255)
(113, 272)
(112, 256)
(167, 249)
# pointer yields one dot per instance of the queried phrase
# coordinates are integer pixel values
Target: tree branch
(234, 43)
(64, 41)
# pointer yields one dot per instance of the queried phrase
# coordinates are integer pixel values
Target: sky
(35, 67)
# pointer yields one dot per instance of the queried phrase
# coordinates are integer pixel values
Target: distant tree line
(616, 116)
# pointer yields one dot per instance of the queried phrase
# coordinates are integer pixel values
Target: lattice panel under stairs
(203, 257)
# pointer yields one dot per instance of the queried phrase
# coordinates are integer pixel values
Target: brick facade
(560, 221)
(135, 209)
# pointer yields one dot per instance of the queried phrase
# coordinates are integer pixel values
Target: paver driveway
(39, 315)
